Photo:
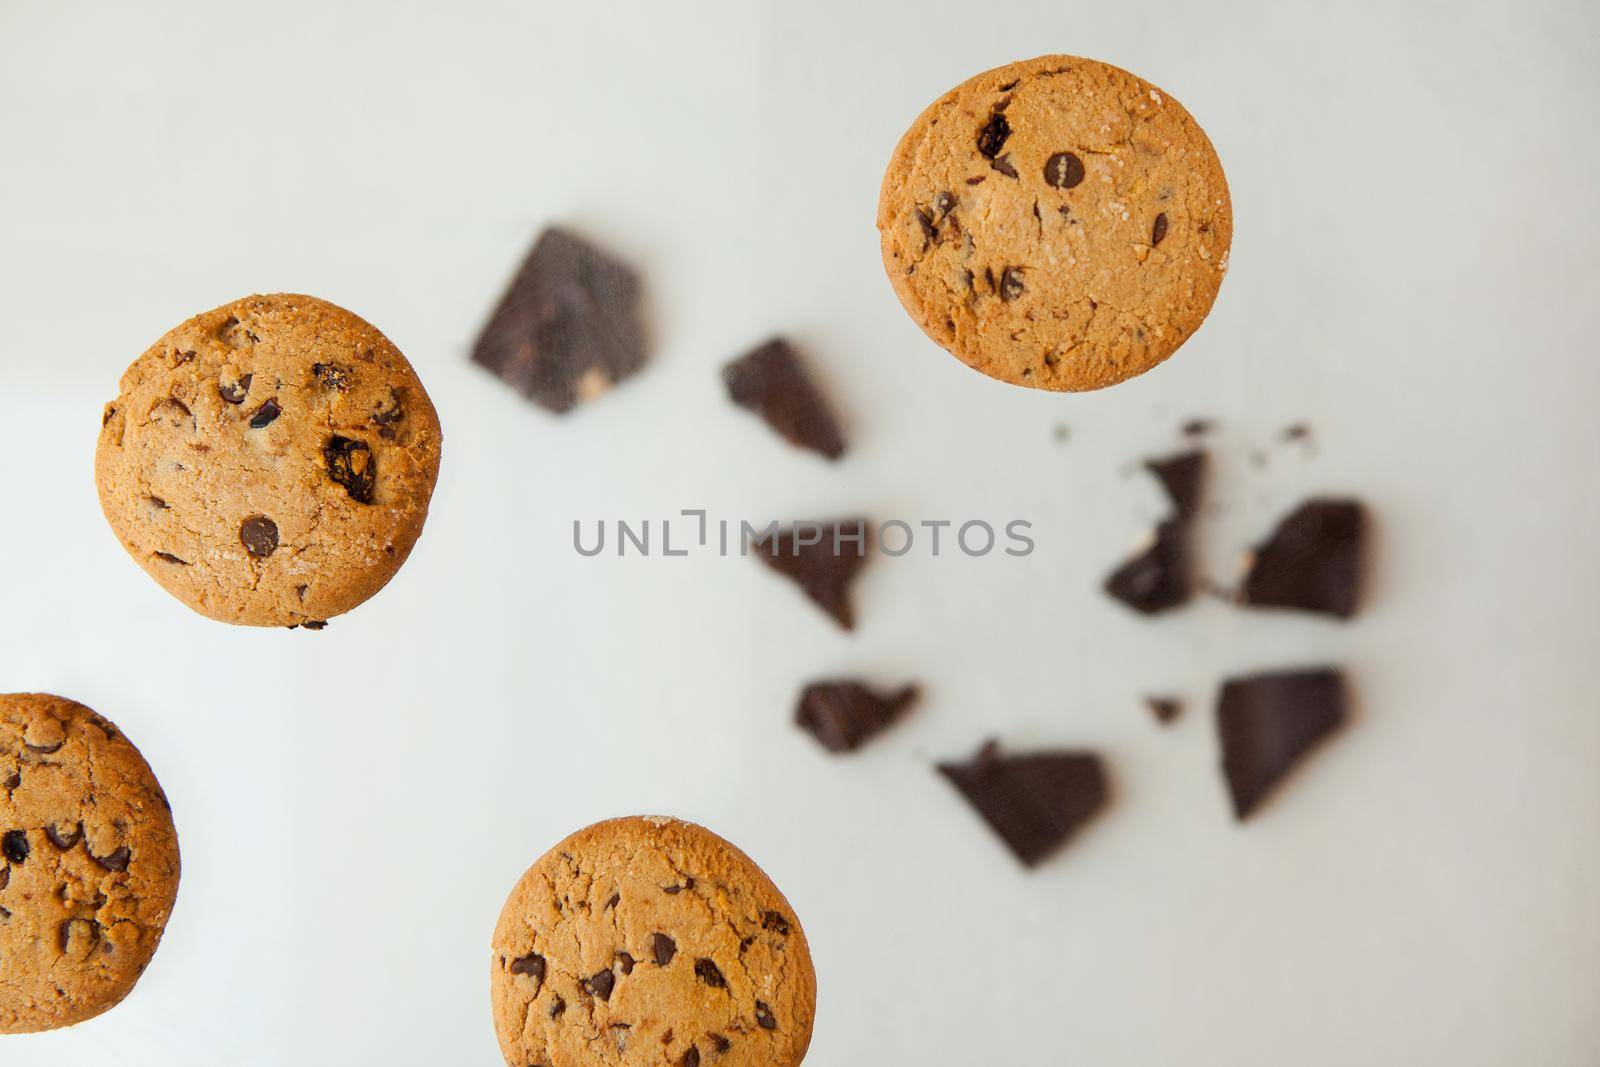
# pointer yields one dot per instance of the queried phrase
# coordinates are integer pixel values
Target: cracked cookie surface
(269, 462)
(88, 863)
(650, 941)
(1056, 223)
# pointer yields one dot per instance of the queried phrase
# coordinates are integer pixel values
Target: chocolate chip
(1181, 476)
(386, 418)
(557, 1006)
(1003, 165)
(771, 920)
(170, 558)
(1197, 427)
(1297, 432)
(567, 327)
(265, 414)
(64, 841)
(314, 624)
(1011, 285)
(823, 574)
(976, 181)
(674, 890)
(259, 535)
(331, 376)
(764, 1016)
(944, 203)
(14, 845)
(662, 948)
(5, 880)
(720, 1043)
(235, 392)
(691, 1058)
(992, 137)
(626, 962)
(602, 983)
(1156, 579)
(352, 465)
(844, 715)
(1158, 230)
(1034, 802)
(613, 900)
(117, 861)
(533, 965)
(772, 382)
(1064, 170)
(930, 232)
(708, 972)
(1165, 709)
(1312, 562)
(1268, 723)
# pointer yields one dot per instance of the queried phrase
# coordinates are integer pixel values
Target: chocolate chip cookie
(269, 462)
(1056, 223)
(650, 941)
(88, 863)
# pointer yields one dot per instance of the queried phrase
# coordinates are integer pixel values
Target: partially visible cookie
(88, 863)
(1057, 223)
(650, 941)
(269, 462)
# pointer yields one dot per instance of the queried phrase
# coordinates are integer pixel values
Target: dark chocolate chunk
(170, 558)
(557, 1006)
(259, 535)
(1158, 229)
(1064, 170)
(1034, 802)
(1158, 578)
(1312, 561)
(1011, 285)
(944, 203)
(720, 1043)
(764, 1017)
(1004, 166)
(662, 949)
(1181, 477)
(265, 414)
(709, 973)
(532, 965)
(823, 566)
(674, 890)
(1268, 722)
(117, 861)
(331, 376)
(613, 900)
(14, 845)
(626, 962)
(602, 983)
(771, 920)
(235, 392)
(315, 624)
(691, 1058)
(567, 327)
(351, 464)
(64, 839)
(772, 382)
(1165, 709)
(992, 137)
(843, 715)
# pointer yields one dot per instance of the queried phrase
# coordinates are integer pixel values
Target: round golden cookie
(269, 462)
(649, 941)
(1056, 223)
(88, 863)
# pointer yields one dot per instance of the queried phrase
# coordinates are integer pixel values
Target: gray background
(1414, 273)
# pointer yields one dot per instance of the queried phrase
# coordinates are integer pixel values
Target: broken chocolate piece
(709, 973)
(117, 861)
(1311, 562)
(568, 326)
(771, 920)
(265, 414)
(764, 1017)
(64, 840)
(773, 383)
(691, 1057)
(331, 376)
(1158, 229)
(14, 846)
(1268, 722)
(1034, 802)
(259, 535)
(822, 558)
(1165, 709)
(602, 983)
(351, 464)
(1011, 285)
(992, 137)
(235, 392)
(1181, 477)
(1064, 170)
(844, 715)
(1004, 166)
(662, 949)
(1156, 579)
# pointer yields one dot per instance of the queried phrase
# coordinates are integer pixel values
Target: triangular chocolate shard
(568, 327)
(772, 382)
(1034, 802)
(823, 559)
(1156, 579)
(1268, 722)
(1312, 561)
(844, 715)
(1182, 477)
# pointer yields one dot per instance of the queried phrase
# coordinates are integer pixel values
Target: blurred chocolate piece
(1312, 561)
(1268, 722)
(568, 327)
(1165, 709)
(844, 715)
(1158, 578)
(1181, 477)
(1034, 802)
(772, 382)
(822, 558)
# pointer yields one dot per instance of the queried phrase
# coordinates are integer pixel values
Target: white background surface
(1414, 273)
